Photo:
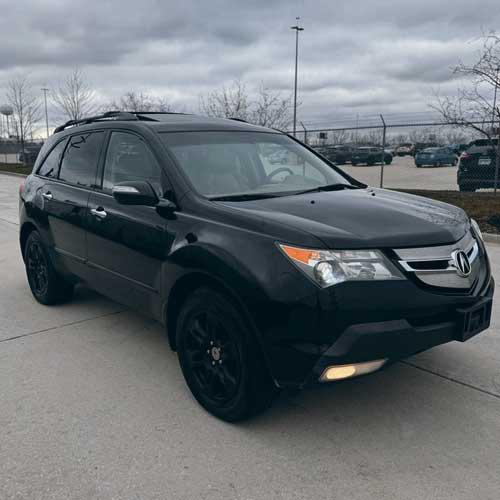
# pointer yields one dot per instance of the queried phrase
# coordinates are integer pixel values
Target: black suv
(477, 165)
(335, 154)
(370, 156)
(265, 276)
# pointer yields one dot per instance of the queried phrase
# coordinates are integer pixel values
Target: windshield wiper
(329, 187)
(244, 197)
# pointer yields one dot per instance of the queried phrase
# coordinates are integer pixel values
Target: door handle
(100, 213)
(47, 195)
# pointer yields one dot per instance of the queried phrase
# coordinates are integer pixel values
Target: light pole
(45, 90)
(297, 28)
(497, 156)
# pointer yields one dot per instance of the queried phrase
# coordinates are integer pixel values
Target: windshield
(251, 163)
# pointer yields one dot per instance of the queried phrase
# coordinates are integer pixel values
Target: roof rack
(109, 115)
(114, 115)
(237, 119)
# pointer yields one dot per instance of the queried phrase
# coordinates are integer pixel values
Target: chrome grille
(435, 266)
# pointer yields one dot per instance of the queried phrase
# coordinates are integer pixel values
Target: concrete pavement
(93, 406)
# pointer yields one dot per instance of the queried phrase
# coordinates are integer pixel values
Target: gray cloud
(356, 57)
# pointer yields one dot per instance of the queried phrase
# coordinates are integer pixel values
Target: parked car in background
(435, 157)
(404, 149)
(335, 154)
(420, 146)
(370, 156)
(346, 151)
(458, 149)
(476, 168)
(28, 156)
(390, 149)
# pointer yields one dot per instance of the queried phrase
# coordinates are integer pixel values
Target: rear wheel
(46, 285)
(220, 358)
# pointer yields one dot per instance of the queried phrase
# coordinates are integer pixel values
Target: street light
(297, 28)
(45, 90)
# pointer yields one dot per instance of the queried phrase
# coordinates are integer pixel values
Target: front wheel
(46, 285)
(221, 361)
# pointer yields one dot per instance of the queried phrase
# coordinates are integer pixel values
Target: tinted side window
(79, 164)
(50, 166)
(130, 159)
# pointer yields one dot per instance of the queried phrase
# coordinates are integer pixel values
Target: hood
(364, 218)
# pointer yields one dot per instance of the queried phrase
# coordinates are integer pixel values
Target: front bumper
(302, 364)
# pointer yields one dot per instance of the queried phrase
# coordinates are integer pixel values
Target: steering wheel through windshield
(279, 171)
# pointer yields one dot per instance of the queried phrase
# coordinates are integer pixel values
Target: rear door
(127, 245)
(65, 197)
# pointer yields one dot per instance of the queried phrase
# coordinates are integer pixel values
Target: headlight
(331, 267)
(475, 227)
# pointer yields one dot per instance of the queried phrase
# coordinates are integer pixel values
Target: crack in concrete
(451, 379)
(52, 328)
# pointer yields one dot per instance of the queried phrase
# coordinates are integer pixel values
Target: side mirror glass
(135, 193)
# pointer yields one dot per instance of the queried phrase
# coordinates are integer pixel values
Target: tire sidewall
(213, 302)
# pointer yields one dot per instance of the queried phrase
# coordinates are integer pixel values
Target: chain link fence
(418, 154)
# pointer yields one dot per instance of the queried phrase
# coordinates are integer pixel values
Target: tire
(219, 356)
(46, 285)
(388, 161)
(465, 188)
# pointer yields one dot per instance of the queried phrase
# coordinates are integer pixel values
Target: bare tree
(267, 108)
(26, 106)
(271, 109)
(74, 96)
(227, 102)
(472, 107)
(139, 101)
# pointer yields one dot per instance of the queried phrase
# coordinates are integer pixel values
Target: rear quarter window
(50, 166)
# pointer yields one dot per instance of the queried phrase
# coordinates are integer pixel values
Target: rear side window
(129, 159)
(79, 163)
(50, 166)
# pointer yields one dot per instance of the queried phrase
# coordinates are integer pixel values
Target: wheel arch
(26, 229)
(188, 284)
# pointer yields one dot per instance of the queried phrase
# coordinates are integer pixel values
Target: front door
(127, 245)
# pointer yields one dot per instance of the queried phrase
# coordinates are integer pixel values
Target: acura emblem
(461, 263)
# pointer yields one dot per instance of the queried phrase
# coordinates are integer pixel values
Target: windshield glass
(233, 163)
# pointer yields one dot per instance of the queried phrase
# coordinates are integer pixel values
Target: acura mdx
(265, 276)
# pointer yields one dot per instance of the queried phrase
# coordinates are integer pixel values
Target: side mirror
(135, 193)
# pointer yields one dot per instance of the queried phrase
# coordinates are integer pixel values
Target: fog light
(340, 372)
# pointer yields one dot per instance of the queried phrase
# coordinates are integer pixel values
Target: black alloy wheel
(220, 357)
(37, 268)
(213, 357)
(47, 286)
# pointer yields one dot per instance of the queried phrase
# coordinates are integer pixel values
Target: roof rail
(237, 119)
(115, 115)
(109, 115)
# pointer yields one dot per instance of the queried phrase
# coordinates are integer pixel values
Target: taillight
(21, 188)
(465, 156)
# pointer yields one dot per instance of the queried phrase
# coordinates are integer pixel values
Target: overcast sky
(356, 56)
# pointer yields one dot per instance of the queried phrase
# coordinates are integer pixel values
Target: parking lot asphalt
(93, 406)
(402, 174)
